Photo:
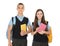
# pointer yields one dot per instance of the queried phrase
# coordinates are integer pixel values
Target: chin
(20, 12)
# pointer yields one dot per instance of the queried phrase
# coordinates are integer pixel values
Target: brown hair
(36, 19)
(20, 4)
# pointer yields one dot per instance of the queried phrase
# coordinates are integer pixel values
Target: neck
(39, 19)
(20, 14)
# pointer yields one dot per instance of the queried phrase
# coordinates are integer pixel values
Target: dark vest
(40, 38)
(17, 28)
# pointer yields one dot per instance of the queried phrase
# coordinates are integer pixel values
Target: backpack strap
(12, 20)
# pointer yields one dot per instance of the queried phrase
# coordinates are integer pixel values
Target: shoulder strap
(46, 22)
(12, 20)
(32, 23)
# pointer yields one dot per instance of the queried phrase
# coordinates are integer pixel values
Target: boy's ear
(16, 8)
(23, 8)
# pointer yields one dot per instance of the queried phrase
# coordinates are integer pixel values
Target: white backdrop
(51, 9)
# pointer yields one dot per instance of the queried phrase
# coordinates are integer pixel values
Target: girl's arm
(34, 32)
(45, 32)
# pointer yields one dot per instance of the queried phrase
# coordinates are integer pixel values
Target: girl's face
(39, 15)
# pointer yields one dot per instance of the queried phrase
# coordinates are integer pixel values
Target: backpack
(11, 31)
(50, 36)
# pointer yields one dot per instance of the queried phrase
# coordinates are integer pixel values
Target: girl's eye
(39, 14)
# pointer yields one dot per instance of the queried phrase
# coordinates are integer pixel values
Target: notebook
(23, 27)
(42, 27)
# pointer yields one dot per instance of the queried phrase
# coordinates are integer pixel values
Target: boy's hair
(20, 4)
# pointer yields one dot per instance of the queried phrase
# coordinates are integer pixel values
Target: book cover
(23, 27)
(42, 27)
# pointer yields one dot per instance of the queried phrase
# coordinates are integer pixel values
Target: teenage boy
(19, 37)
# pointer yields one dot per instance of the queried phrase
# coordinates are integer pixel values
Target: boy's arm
(29, 26)
(9, 29)
(29, 29)
(9, 32)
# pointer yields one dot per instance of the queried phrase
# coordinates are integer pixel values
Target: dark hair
(36, 19)
(20, 4)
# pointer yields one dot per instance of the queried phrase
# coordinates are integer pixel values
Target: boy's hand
(9, 44)
(22, 33)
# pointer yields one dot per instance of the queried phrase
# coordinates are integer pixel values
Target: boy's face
(20, 9)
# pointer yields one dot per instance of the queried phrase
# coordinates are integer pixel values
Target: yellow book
(23, 27)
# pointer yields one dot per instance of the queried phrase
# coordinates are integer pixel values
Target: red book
(42, 27)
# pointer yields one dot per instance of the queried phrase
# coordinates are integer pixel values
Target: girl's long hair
(36, 19)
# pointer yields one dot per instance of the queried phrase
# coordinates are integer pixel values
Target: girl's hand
(33, 33)
(42, 32)
(37, 28)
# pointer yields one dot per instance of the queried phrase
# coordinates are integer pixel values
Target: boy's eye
(20, 8)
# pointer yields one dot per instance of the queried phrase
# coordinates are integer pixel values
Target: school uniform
(38, 39)
(17, 39)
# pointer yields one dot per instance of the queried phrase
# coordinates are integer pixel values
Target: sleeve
(29, 23)
(48, 26)
(10, 23)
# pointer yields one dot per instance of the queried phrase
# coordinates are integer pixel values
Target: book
(42, 27)
(23, 27)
